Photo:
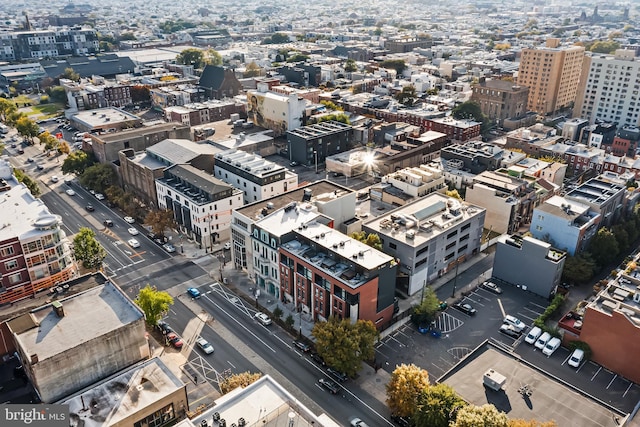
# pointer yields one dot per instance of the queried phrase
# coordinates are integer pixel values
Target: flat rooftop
(52, 335)
(550, 399)
(595, 191)
(128, 134)
(251, 163)
(103, 116)
(20, 211)
(328, 240)
(321, 191)
(122, 395)
(265, 403)
(422, 220)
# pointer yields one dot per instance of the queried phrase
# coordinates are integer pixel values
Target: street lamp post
(315, 154)
(455, 279)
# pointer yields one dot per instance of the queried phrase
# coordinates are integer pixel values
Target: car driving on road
(204, 345)
(133, 243)
(329, 385)
(263, 318)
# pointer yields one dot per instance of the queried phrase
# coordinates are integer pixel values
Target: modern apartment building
(258, 178)
(407, 184)
(566, 224)
(429, 237)
(201, 204)
(609, 89)
(327, 273)
(552, 74)
(25, 45)
(311, 145)
(509, 200)
(139, 170)
(35, 254)
(274, 111)
(539, 264)
(258, 229)
(500, 99)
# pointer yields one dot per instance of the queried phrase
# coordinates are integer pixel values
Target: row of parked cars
(549, 344)
(174, 339)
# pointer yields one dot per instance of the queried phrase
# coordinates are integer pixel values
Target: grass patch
(47, 110)
(23, 99)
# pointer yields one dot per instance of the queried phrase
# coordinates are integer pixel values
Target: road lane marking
(504, 314)
(239, 323)
(231, 365)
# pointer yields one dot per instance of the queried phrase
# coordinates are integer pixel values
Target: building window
(15, 278)
(6, 251)
(10, 265)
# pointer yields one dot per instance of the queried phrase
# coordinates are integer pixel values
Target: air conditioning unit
(636, 297)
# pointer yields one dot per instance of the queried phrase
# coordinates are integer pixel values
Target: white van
(533, 335)
(543, 340)
(551, 346)
(576, 358)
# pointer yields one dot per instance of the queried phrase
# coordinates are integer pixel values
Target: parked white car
(263, 318)
(576, 358)
(133, 243)
(133, 231)
(551, 346)
(543, 340)
(515, 322)
(533, 335)
(129, 220)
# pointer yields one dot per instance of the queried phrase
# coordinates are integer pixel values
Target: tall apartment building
(500, 99)
(428, 237)
(201, 204)
(552, 74)
(35, 253)
(609, 89)
(274, 111)
(23, 45)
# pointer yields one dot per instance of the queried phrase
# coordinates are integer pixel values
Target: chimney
(57, 307)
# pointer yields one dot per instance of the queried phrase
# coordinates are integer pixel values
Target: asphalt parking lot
(589, 378)
(460, 333)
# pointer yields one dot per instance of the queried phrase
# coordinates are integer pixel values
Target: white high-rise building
(609, 89)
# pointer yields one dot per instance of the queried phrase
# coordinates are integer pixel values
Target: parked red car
(175, 340)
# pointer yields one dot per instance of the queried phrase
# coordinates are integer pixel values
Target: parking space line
(472, 300)
(533, 311)
(565, 360)
(526, 317)
(612, 380)
(537, 305)
(501, 308)
(480, 295)
(597, 372)
(399, 331)
(580, 367)
(399, 342)
(628, 388)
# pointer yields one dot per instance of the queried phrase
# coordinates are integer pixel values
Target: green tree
(140, 94)
(13, 117)
(371, 239)
(453, 193)
(277, 38)
(58, 94)
(277, 312)
(404, 388)
(70, 74)
(212, 57)
(470, 110)
(350, 66)
(87, 249)
(191, 56)
(601, 46)
(344, 345)
(425, 312)
(127, 36)
(77, 162)
(63, 147)
(29, 182)
(437, 406)
(242, 379)
(297, 57)
(252, 69)
(153, 303)
(604, 247)
(289, 321)
(395, 64)
(27, 128)
(480, 416)
(407, 96)
(160, 221)
(6, 107)
(579, 268)
(98, 177)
